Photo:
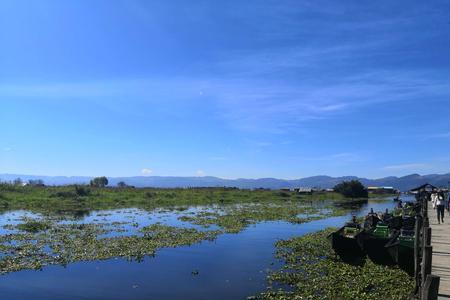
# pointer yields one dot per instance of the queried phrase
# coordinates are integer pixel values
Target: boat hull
(375, 249)
(347, 248)
(402, 255)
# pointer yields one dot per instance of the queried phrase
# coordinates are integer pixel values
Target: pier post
(427, 235)
(426, 221)
(417, 252)
(426, 262)
(431, 288)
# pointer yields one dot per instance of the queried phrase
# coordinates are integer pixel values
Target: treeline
(20, 182)
(101, 182)
(95, 182)
(349, 189)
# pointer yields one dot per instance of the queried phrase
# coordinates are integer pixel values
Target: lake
(234, 266)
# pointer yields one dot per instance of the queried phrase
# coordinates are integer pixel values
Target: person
(448, 201)
(433, 200)
(440, 207)
(354, 223)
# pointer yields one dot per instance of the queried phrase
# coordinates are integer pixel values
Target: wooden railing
(426, 284)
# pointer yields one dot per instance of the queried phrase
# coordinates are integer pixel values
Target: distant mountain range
(402, 183)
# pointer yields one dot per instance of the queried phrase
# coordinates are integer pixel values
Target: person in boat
(371, 220)
(353, 223)
(440, 207)
(399, 204)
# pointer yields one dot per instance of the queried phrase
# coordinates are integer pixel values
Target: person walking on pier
(440, 207)
(448, 201)
(433, 200)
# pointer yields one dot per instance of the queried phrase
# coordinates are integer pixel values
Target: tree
(36, 182)
(352, 189)
(18, 181)
(99, 182)
(121, 184)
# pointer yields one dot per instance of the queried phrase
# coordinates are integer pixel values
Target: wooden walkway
(440, 240)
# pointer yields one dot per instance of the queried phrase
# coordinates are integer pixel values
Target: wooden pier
(440, 241)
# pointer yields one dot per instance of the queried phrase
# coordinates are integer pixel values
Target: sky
(234, 89)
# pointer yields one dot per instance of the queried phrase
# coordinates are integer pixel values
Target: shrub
(122, 184)
(82, 191)
(284, 194)
(64, 194)
(352, 189)
(36, 182)
(150, 194)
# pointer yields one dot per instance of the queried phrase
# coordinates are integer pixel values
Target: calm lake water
(234, 266)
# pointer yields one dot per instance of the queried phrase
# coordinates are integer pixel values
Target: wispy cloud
(251, 104)
(7, 149)
(290, 77)
(280, 107)
(408, 167)
(146, 171)
(200, 173)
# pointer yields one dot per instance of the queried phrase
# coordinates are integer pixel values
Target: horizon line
(223, 178)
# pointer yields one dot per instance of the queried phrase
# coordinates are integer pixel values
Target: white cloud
(407, 167)
(200, 173)
(251, 103)
(146, 171)
(7, 149)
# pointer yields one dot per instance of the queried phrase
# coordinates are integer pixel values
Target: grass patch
(48, 200)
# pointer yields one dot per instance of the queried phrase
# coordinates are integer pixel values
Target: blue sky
(224, 88)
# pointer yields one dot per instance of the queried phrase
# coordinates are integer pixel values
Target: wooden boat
(393, 219)
(373, 243)
(345, 242)
(401, 250)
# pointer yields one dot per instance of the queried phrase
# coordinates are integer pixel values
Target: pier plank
(440, 241)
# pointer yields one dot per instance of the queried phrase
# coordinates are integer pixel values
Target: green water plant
(312, 271)
(66, 243)
(34, 226)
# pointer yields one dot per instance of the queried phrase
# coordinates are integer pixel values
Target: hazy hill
(403, 183)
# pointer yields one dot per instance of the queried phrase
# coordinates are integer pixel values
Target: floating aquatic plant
(66, 243)
(312, 271)
(34, 226)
